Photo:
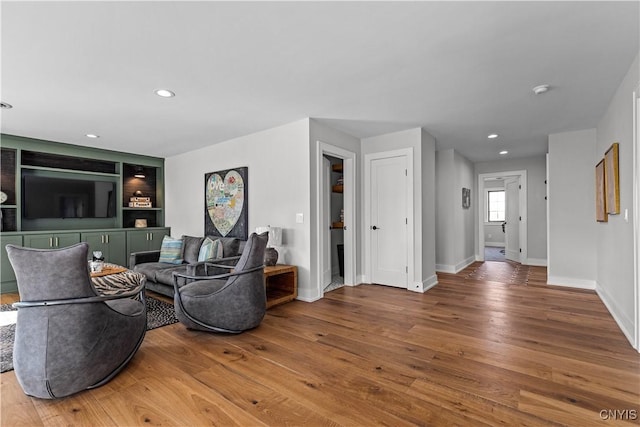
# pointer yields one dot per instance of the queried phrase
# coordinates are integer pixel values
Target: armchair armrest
(141, 257)
(203, 268)
(85, 300)
(186, 278)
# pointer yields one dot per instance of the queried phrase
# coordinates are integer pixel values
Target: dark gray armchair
(231, 302)
(68, 337)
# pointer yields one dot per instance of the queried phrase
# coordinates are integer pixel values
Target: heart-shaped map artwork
(225, 200)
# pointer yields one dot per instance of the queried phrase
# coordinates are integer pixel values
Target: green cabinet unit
(51, 241)
(7, 276)
(145, 240)
(112, 244)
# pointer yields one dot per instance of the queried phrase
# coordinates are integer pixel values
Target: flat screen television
(67, 197)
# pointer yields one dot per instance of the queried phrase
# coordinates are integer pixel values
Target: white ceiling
(461, 70)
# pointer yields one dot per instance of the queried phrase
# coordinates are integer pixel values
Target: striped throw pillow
(210, 249)
(171, 250)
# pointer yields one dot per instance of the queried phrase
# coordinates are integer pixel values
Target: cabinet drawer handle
(107, 239)
(50, 242)
(57, 242)
(102, 239)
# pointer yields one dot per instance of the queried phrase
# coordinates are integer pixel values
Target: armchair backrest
(51, 274)
(253, 252)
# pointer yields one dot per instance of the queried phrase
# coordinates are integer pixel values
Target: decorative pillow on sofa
(191, 248)
(171, 250)
(210, 249)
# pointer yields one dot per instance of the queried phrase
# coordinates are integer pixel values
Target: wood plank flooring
(467, 352)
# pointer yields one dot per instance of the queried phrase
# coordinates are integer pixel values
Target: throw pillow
(171, 250)
(190, 248)
(210, 249)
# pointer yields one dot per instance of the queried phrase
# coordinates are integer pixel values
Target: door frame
(522, 174)
(350, 248)
(368, 158)
(636, 214)
(509, 180)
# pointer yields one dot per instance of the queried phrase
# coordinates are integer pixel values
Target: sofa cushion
(165, 275)
(210, 249)
(171, 250)
(149, 269)
(191, 248)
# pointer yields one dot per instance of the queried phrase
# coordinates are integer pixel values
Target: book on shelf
(139, 199)
(140, 205)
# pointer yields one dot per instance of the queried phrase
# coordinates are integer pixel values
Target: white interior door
(388, 228)
(512, 219)
(326, 221)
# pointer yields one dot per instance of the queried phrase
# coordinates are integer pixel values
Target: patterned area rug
(159, 313)
(504, 272)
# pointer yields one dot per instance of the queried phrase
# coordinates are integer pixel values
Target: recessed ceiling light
(92, 135)
(492, 136)
(504, 152)
(5, 105)
(538, 90)
(165, 93)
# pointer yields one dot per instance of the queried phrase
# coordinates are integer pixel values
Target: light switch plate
(299, 218)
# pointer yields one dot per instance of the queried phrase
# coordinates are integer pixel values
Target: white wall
(536, 204)
(572, 223)
(278, 188)
(428, 183)
(455, 225)
(424, 197)
(615, 263)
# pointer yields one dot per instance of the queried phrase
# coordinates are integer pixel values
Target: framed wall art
(466, 198)
(612, 179)
(226, 203)
(601, 198)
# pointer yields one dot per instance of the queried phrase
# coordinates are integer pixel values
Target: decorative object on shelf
(612, 180)
(141, 223)
(3, 197)
(466, 198)
(601, 198)
(226, 203)
(275, 239)
(138, 193)
(140, 202)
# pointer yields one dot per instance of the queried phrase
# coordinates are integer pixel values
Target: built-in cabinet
(145, 240)
(51, 240)
(112, 244)
(132, 189)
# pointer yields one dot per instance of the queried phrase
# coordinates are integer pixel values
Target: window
(495, 203)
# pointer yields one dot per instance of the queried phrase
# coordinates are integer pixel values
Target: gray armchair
(68, 337)
(231, 302)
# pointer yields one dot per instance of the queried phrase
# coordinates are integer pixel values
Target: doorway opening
(336, 177)
(502, 208)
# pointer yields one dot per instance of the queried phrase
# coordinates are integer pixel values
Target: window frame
(487, 213)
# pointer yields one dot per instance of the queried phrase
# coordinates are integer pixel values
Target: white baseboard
(445, 268)
(454, 269)
(308, 297)
(624, 323)
(495, 244)
(571, 282)
(425, 285)
(464, 264)
(538, 262)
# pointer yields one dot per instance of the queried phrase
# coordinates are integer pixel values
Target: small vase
(270, 256)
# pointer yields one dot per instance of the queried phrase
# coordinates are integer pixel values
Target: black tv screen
(46, 197)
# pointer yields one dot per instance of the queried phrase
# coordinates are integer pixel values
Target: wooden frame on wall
(612, 179)
(601, 197)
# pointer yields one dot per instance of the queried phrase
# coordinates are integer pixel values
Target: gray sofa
(160, 275)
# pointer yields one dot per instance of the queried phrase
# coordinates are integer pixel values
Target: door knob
(375, 227)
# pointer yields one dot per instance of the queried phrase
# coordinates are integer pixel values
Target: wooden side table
(281, 283)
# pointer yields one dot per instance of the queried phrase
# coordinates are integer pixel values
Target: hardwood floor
(467, 352)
